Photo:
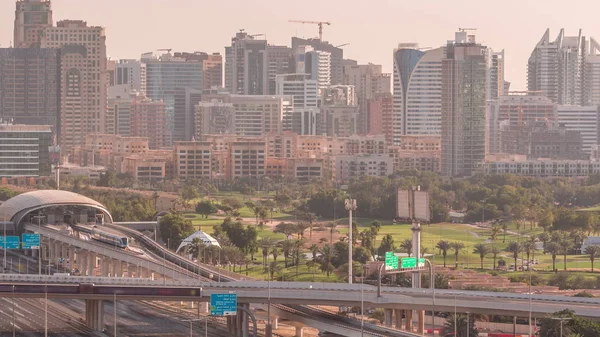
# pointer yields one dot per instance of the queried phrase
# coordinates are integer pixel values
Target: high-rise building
(495, 74)
(212, 67)
(25, 150)
(417, 91)
(583, 119)
(464, 90)
(305, 114)
(280, 61)
(84, 80)
(214, 118)
(148, 119)
(130, 72)
(557, 68)
(318, 65)
(340, 120)
(592, 73)
(368, 81)
(337, 56)
(380, 111)
(515, 110)
(166, 74)
(29, 86)
(246, 65)
(338, 95)
(185, 100)
(32, 17)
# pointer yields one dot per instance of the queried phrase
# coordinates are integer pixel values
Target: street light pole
(362, 305)
(468, 326)
(350, 205)
(561, 319)
(530, 327)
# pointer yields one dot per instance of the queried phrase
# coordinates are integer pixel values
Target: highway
(65, 316)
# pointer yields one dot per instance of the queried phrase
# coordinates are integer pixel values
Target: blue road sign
(31, 241)
(223, 304)
(11, 242)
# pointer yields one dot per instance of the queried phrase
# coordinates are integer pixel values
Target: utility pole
(350, 207)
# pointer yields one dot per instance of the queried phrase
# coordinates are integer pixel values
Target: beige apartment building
(149, 119)
(84, 79)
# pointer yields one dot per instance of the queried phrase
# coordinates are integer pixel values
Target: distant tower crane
(168, 50)
(319, 23)
(466, 29)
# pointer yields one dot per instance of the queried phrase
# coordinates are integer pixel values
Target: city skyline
(158, 27)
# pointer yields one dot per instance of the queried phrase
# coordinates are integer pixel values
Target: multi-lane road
(65, 317)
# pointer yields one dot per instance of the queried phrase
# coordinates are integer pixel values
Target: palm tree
(406, 246)
(377, 225)
(553, 248)
(494, 251)
(592, 251)
(301, 227)
(528, 247)
(274, 268)
(287, 246)
(565, 244)
(155, 197)
(310, 217)
(495, 231)
(195, 247)
(314, 249)
(514, 248)
(331, 226)
(504, 229)
(482, 250)
(326, 256)
(444, 247)
(457, 246)
(265, 244)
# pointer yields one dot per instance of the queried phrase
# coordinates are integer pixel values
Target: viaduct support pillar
(409, 320)
(421, 321)
(94, 314)
(105, 267)
(299, 331)
(388, 315)
(398, 314)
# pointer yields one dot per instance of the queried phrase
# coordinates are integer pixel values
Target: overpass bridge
(300, 293)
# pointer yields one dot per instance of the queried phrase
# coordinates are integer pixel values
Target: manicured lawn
(301, 274)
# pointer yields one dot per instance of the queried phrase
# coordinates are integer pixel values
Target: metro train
(98, 235)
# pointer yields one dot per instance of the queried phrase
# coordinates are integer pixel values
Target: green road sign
(391, 261)
(409, 262)
(223, 304)
(31, 241)
(421, 263)
(11, 242)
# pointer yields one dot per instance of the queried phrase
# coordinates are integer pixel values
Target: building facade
(380, 113)
(24, 150)
(515, 110)
(318, 65)
(336, 55)
(464, 89)
(369, 81)
(557, 68)
(417, 91)
(304, 92)
(131, 73)
(280, 61)
(30, 86)
(32, 17)
(583, 119)
(83, 79)
(246, 65)
(148, 119)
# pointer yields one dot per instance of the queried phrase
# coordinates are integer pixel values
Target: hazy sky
(373, 28)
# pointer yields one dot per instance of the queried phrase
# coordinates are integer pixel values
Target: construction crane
(168, 50)
(319, 23)
(342, 45)
(424, 48)
(466, 29)
(254, 35)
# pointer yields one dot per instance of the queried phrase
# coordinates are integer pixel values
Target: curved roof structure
(17, 207)
(205, 238)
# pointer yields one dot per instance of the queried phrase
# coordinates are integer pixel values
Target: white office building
(303, 119)
(417, 91)
(583, 119)
(130, 72)
(318, 65)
